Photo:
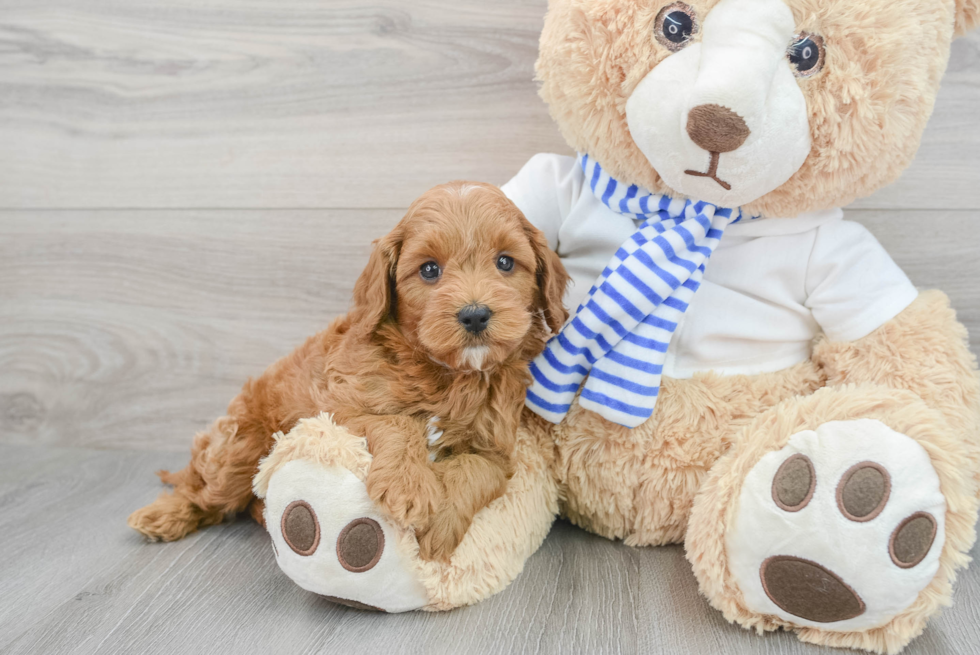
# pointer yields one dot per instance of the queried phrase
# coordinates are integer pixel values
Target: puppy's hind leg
(217, 483)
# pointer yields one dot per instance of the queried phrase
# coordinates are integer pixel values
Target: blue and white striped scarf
(620, 333)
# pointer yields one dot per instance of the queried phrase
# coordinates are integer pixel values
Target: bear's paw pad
(330, 538)
(841, 529)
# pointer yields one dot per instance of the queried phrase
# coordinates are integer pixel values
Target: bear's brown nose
(716, 128)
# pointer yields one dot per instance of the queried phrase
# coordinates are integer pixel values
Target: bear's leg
(332, 539)
(842, 515)
(639, 485)
(327, 534)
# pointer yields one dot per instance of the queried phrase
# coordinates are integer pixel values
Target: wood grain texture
(290, 123)
(138, 327)
(75, 579)
(135, 328)
(317, 103)
(298, 103)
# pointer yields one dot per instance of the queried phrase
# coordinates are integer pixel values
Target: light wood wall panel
(317, 103)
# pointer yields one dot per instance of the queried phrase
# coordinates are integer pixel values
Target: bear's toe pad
(331, 539)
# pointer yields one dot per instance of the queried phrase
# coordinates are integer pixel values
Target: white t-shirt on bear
(771, 286)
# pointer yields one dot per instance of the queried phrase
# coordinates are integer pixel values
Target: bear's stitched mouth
(712, 172)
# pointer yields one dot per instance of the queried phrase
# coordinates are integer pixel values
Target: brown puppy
(453, 304)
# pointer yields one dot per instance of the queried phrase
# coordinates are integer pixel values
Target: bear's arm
(878, 329)
(852, 285)
(924, 350)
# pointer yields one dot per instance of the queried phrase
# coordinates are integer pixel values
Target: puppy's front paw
(444, 535)
(408, 495)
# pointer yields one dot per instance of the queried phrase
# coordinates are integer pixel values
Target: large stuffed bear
(745, 371)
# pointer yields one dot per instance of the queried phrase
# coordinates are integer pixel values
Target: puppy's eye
(806, 54)
(505, 263)
(430, 271)
(675, 25)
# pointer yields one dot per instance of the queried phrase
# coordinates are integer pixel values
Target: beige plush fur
(638, 485)
(902, 411)
(914, 374)
(867, 108)
(317, 440)
(502, 536)
(925, 351)
(967, 16)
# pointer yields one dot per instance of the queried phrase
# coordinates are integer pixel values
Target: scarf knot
(619, 335)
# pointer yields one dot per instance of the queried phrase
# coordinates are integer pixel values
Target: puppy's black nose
(474, 318)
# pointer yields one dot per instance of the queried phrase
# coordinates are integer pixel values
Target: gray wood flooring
(187, 190)
(82, 582)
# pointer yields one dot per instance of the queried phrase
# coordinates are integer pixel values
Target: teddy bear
(744, 371)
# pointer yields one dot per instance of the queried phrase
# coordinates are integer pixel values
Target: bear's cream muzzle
(724, 120)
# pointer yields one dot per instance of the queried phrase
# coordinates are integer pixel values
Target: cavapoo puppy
(452, 306)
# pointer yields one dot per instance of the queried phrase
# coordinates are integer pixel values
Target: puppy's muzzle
(474, 318)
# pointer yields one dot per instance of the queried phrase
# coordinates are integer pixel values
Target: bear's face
(781, 106)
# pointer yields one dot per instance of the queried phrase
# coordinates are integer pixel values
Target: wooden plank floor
(84, 583)
(187, 190)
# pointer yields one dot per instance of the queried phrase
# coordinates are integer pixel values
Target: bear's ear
(967, 16)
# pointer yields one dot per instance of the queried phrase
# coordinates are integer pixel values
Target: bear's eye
(675, 25)
(806, 54)
(430, 271)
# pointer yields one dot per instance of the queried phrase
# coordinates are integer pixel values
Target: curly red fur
(396, 361)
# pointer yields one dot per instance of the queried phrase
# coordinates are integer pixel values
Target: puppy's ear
(374, 291)
(551, 276)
